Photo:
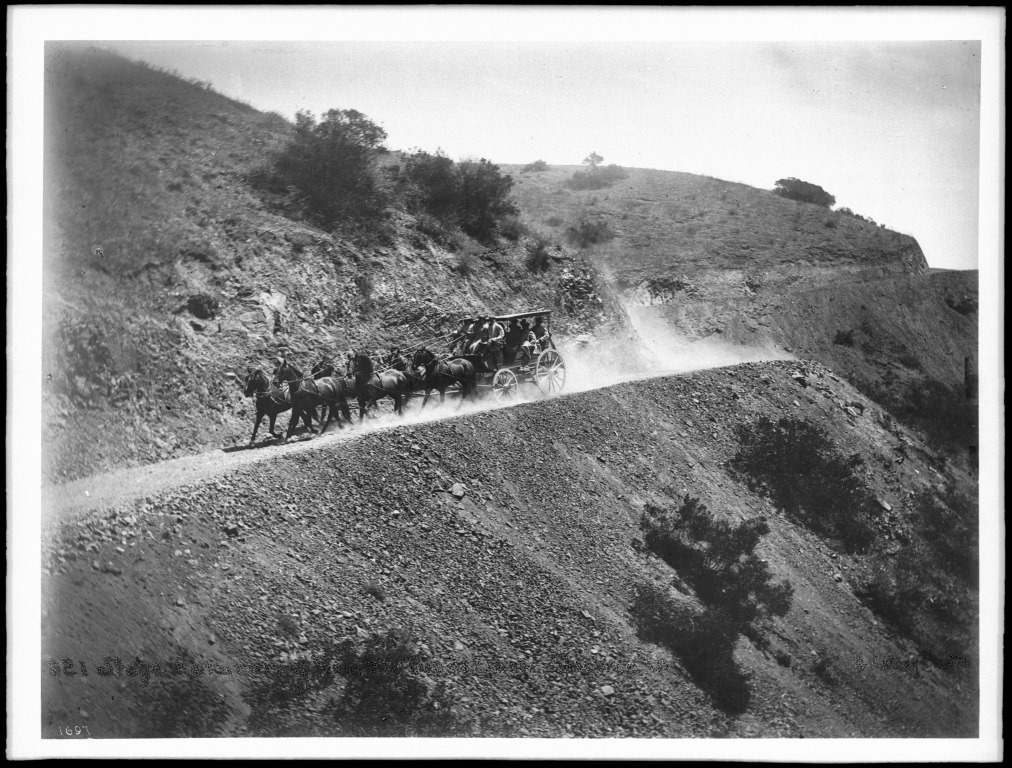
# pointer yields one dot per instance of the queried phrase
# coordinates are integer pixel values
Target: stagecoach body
(546, 371)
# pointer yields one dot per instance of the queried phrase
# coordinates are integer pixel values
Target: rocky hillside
(710, 258)
(164, 269)
(490, 575)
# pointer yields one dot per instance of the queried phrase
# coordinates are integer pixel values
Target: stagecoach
(545, 370)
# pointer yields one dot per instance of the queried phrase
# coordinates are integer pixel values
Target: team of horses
(327, 390)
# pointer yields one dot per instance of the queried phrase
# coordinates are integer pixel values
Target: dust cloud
(647, 348)
(652, 347)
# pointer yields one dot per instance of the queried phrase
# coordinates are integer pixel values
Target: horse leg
(274, 417)
(292, 421)
(307, 418)
(345, 411)
(256, 426)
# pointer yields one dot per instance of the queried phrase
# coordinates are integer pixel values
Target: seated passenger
(530, 348)
(514, 338)
(496, 340)
(480, 343)
(541, 333)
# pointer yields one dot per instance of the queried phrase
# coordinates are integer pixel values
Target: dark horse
(325, 369)
(372, 387)
(308, 393)
(270, 400)
(440, 375)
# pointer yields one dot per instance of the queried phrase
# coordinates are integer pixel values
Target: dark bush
(431, 185)
(554, 221)
(328, 167)
(718, 559)
(844, 338)
(965, 305)
(703, 640)
(803, 191)
(471, 195)
(912, 592)
(825, 669)
(940, 412)
(387, 695)
(203, 305)
(483, 198)
(536, 166)
(797, 464)
(948, 523)
(587, 233)
(597, 178)
(538, 259)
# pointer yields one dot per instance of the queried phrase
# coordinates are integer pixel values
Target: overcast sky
(892, 129)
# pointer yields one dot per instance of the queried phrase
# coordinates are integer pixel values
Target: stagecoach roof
(518, 315)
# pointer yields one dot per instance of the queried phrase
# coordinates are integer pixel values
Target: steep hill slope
(164, 269)
(494, 564)
(707, 257)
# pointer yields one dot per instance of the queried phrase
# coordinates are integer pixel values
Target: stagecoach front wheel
(504, 385)
(550, 372)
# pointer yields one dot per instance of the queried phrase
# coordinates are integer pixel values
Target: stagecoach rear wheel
(550, 372)
(504, 385)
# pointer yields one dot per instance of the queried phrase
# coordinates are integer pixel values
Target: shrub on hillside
(535, 167)
(911, 592)
(717, 558)
(431, 184)
(597, 178)
(203, 305)
(386, 695)
(554, 221)
(703, 640)
(797, 464)
(948, 523)
(803, 191)
(472, 195)
(484, 198)
(844, 338)
(940, 412)
(538, 259)
(587, 233)
(965, 305)
(330, 166)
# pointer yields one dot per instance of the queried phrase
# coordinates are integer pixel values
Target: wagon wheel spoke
(550, 372)
(504, 385)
